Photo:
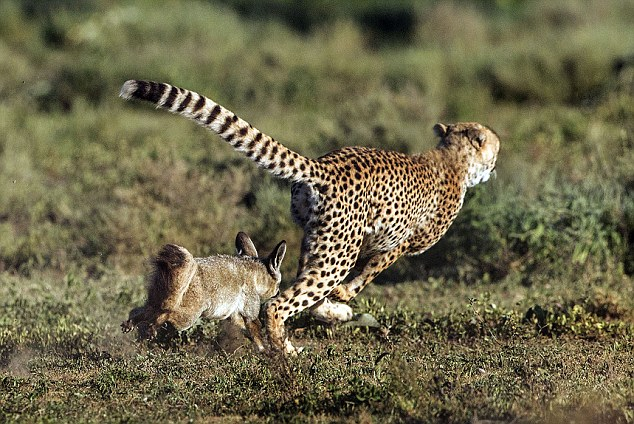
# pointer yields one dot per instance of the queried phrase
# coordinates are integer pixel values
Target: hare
(181, 289)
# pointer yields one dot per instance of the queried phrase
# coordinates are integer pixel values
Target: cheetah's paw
(291, 350)
(332, 312)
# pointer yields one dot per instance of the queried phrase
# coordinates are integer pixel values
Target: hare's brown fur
(182, 289)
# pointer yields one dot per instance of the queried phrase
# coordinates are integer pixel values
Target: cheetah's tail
(257, 146)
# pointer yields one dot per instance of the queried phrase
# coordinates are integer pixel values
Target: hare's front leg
(251, 328)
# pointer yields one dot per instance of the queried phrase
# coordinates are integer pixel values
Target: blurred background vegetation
(91, 184)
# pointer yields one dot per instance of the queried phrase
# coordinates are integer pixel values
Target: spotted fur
(359, 207)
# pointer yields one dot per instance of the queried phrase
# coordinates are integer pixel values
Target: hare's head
(270, 286)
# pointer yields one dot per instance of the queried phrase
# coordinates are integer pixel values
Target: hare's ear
(244, 246)
(276, 256)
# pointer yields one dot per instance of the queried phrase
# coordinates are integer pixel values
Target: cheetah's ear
(244, 246)
(440, 130)
(480, 139)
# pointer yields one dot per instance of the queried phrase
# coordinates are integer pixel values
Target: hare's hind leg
(136, 316)
(180, 319)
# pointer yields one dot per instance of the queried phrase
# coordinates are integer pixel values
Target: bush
(567, 229)
(395, 20)
(88, 179)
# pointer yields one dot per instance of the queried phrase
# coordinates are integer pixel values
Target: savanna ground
(524, 312)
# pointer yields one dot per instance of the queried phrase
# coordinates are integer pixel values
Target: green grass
(534, 355)
(523, 312)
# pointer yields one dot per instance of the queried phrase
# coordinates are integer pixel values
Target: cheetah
(181, 289)
(359, 207)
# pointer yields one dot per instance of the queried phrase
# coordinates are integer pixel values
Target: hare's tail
(174, 269)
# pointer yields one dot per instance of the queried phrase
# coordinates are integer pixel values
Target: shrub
(566, 229)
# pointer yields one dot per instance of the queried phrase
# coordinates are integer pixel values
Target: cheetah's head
(481, 145)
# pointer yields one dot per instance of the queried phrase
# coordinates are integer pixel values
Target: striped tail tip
(143, 90)
(128, 89)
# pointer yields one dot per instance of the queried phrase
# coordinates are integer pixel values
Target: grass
(462, 355)
(522, 313)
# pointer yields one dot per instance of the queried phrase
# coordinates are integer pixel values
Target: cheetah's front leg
(376, 264)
